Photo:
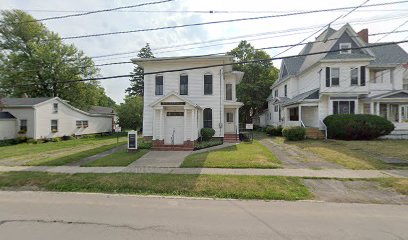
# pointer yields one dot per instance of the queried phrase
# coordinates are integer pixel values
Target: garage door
(174, 126)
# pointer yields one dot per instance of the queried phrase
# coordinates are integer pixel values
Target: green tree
(130, 113)
(136, 82)
(254, 88)
(32, 54)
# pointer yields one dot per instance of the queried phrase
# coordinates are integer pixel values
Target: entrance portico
(175, 123)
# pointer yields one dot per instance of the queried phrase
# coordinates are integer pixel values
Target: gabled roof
(309, 95)
(174, 94)
(388, 55)
(23, 102)
(101, 110)
(6, 115)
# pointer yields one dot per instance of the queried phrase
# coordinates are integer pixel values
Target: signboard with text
(249, 126)
(132, 140)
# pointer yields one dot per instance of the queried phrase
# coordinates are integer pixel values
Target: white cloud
(118, 21)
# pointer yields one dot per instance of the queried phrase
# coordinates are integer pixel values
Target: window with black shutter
(159, 85)
(327, 77)
(183, 84)
(208, 84)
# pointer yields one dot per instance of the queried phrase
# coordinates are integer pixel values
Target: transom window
(159, 85)
(343, 107)
(207, 118)
(354, 76)
(335, 76)
(184, 84)
(346, 47)
(208, 84)
(175, 114)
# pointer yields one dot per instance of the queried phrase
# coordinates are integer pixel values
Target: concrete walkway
(160, 159)
(325, 173)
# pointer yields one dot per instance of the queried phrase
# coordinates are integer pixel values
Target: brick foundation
(159, 145)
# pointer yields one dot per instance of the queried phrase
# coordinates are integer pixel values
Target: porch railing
(324, 127)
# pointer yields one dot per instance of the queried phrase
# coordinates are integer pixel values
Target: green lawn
(121, 158)
(73, 157)
(34, 154)
(216, 186)
(243, 155)
(356, 154)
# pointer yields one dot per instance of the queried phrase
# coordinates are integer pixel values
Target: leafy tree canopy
(32, 54)
(254, 88)
(130, 113)
(136, 82)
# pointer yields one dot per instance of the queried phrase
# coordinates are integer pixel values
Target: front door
(229, 121)
(174, 128)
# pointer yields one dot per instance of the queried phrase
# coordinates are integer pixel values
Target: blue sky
(376, 19)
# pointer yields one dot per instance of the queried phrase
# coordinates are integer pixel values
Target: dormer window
(346, 47)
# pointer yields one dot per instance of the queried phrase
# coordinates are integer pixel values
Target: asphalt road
(62, 216)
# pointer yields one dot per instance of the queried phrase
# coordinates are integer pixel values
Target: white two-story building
(362, 78)
(182, 95)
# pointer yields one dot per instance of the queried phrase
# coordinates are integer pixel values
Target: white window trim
(331, 77)
(156, 85)
(179, 84)
(208, 73)
(345, 45)
(55, 109)
(358, 76)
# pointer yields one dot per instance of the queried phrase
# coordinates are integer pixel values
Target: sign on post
(249, 126)
(132, 140)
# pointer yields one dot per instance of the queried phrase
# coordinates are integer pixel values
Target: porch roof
(175, 98)
(396, 94)
(309, 95)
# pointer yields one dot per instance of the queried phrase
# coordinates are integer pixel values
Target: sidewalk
(326, 173)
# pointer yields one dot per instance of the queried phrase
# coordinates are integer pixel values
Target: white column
(378, 109)
(161, 123)
(193, 123)
(300, 114)
(237, 119)
(356, 107)
(400, 113)
(185, 124)
(388, 111)
(372, 110)
(154, 127)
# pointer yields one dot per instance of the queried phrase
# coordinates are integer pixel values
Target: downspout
(220, 124)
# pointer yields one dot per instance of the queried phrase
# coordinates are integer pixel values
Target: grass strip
(214, 186)
(118, 159)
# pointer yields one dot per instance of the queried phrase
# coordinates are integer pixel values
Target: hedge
(294, 133)
(357, 126)
(274, 131)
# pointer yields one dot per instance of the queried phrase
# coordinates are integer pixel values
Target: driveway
(160, 159)
(65, 216)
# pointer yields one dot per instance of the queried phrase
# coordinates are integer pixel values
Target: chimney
(363, 35)
(24, 95)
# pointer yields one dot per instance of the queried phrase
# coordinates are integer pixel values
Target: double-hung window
(54, 125)
(159, 85)
(354, 76)
(276, 93)
(23, 125)
(335, 76)
(228, 91)
(208, 84)
(55, 107)
(343, 107)
(184, 84)
(286, 90)
(345, 48)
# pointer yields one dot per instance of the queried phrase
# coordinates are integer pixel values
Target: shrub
(294, 133)
(32, 141)
(357, 127)
(22, 139)
(66, 138)
(207, 133)
(274, 131)
(56, 139)
(207, 144)
(142, 144)
(8, 142)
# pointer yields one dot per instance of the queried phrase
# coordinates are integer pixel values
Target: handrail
(301, 123)
(172, 137)
(324, 128)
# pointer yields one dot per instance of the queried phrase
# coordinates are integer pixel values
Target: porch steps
(173, 148)
(314, 133)
(231, 138)
(397, 134)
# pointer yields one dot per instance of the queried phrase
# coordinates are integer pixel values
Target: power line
(97, 11)
(395, 29)
(225, 21)
(210, 66)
